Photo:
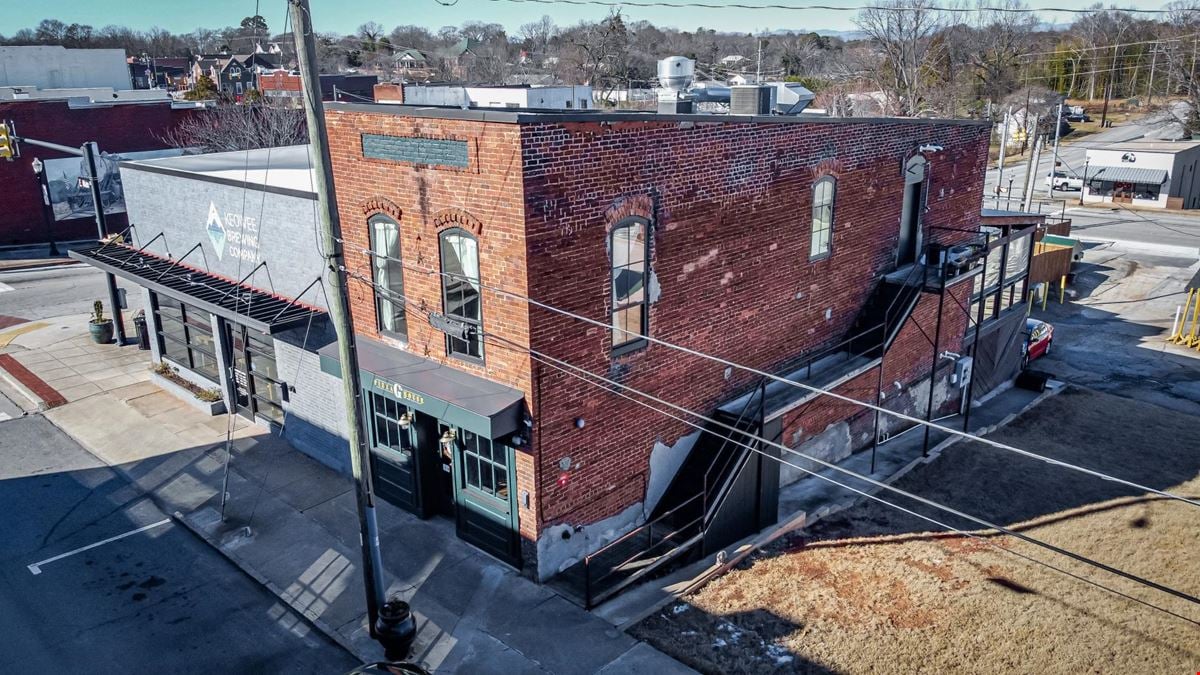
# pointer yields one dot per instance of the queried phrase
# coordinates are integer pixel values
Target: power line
(1069, 50)
(877, 498)
(800, 385)
(879, 484)
(831, 8)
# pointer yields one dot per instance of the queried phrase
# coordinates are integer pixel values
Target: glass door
(257, 387)
(483, 478)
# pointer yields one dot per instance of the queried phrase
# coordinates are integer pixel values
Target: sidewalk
(33, 256)
(291, 524)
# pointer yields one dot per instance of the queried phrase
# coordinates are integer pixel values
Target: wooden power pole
(339, 307)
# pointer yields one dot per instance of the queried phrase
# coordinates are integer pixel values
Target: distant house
(169, 73)
(412, 63)
(732, 60)
(740, 79)
(460, 56)
(235, 74)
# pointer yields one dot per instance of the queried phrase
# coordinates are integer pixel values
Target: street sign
(84, 183)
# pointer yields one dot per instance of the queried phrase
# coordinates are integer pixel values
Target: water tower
(675, 75)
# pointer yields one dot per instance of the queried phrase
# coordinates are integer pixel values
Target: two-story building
(513, 274)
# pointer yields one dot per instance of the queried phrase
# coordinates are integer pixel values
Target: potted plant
(100, 327)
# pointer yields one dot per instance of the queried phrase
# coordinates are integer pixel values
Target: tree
(369, 34)
(254, 24)
(903, 32)
(248, 126)
(538, 34)
(204, 90)
(1002, 34)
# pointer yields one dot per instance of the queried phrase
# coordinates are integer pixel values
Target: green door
(485, 504)
(392, 461)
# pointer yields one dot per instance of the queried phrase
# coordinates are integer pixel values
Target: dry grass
(872, 591)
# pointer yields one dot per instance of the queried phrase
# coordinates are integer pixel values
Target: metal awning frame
(255, 309)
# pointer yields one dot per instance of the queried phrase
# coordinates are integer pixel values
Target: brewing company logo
(216, 231)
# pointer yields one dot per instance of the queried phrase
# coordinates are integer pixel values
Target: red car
(1039, 335)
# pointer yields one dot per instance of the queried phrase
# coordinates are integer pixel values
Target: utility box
(962, 371)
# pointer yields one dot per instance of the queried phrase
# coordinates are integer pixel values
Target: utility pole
(1150, 85)
(758, 69)
(339, 308)
(1054, 164)
(1112, 72)
(1003, 145)
(1031, 170)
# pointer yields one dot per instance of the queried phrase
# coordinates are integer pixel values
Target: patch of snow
(680, 608)
(718, 643)
(779, 654)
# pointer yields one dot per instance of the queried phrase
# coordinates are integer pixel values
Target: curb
(1143, 247)
(23, 266)
(290, 601)
(31, 386)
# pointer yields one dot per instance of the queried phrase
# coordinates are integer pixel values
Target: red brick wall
(730, 251)
(119, 128)
(484, 198)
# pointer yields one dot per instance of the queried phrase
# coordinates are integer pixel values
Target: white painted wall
(56, 67)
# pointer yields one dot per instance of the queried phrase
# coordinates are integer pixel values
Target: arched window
(823, 193)
(460, 291)
(388, 274)
(630, 309)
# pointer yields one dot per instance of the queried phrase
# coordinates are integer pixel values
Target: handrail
(736, 425)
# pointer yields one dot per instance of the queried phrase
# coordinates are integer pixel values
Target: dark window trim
(186, 343)
(477, 323)
(395, 335)
(640, 341)
(828, 252)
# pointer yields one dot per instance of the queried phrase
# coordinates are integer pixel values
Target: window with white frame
(823, 192)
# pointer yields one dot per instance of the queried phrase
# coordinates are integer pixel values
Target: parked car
(1080, 117)
(1039, 335)
(1061, 180)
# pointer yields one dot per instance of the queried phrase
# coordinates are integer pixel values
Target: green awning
(1129, 174)
(453, 396)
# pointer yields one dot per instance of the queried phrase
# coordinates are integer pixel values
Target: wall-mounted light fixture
(930, 147)
(405, 420)
(580, 422)
(447, 439)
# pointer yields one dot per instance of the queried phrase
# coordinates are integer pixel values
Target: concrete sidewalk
(290, 523)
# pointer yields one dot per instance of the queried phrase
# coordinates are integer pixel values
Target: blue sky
(344, 16)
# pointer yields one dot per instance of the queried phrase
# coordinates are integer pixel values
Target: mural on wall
(71, 197)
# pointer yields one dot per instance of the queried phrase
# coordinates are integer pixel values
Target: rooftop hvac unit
(751, 99)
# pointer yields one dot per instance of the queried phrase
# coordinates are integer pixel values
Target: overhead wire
(830, 8)
(731, 429)
(803, 386)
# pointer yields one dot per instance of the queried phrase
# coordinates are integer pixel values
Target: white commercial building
(1160, 174)
(564, 97)
(56, 67)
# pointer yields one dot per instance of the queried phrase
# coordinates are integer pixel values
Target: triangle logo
(216, 231)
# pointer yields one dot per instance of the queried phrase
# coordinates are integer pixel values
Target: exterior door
(485, 510)
(393, 464)
(257, 389)
(909, 242)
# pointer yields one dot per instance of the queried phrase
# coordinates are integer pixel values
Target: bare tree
(1002, 33)
(239, 127)
(903, 30)
(538, 34)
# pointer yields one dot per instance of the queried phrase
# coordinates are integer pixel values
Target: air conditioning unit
(751, 99)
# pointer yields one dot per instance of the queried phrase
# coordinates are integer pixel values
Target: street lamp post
(39, 173)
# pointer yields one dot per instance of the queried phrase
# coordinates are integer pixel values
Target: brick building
(115, 127)
(792, 245)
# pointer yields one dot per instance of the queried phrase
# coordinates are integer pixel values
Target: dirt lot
(872, 590)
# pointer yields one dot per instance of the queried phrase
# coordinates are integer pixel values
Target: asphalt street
(55, 291)
(155, 600)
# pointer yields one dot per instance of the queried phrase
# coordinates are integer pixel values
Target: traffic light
(8, 141)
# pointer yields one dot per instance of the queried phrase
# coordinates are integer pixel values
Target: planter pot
(102, 333)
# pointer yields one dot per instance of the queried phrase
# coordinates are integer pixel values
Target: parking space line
(36, 568)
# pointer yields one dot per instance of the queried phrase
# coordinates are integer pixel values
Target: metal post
(878, 404)
(937, 340)
(89, 154)
(1082, 188)
(339, 310)
(974, 353)
(1008, 196)
(39, 171)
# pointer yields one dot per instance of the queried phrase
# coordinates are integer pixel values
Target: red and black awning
(251, 307)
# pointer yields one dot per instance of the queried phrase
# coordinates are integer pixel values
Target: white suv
(1061, 180)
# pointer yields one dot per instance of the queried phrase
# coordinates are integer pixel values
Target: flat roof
(529, 116)
(1150, 146)
(286, 170)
